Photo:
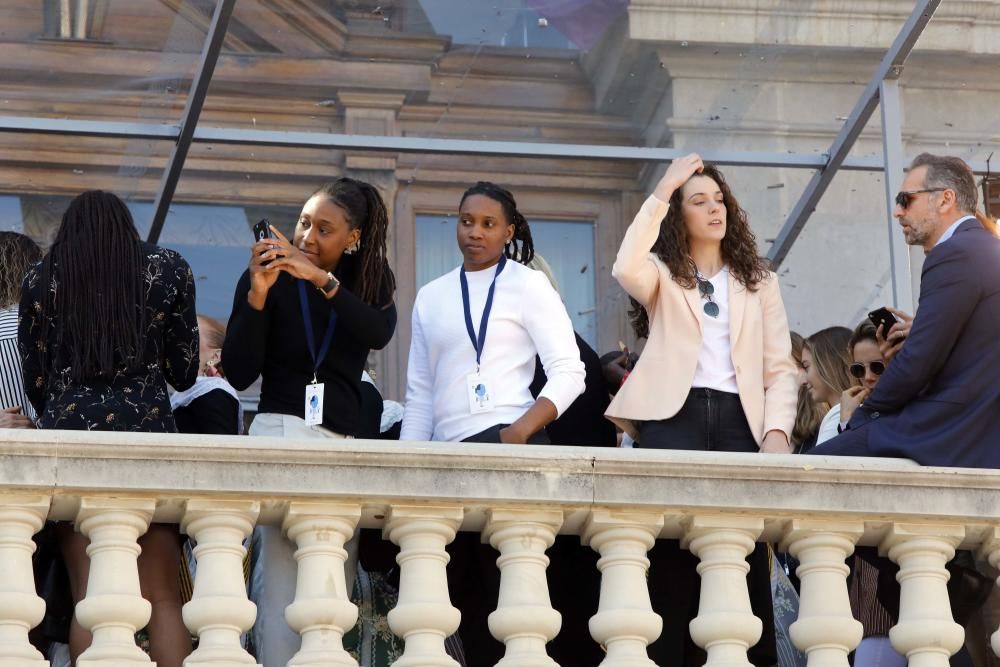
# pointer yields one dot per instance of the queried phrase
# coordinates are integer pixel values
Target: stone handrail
(619, 501)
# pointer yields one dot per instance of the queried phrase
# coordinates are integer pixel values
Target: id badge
(480, 391)
(314, 404)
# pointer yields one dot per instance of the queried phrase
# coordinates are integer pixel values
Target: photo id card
(480, 393)
(314, 404)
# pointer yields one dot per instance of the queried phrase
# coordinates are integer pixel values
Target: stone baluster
(725, 626)
(20, 608)
(825, 630)
(322, 611)
(625, 623)
(926, 633)
(991, 552)
(423, 616)
(219, 610)
(114, 607)
(524, 619)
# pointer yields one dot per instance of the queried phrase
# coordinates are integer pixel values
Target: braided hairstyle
(739, 248)
(521, 248)
(367, 271)
(94, 296)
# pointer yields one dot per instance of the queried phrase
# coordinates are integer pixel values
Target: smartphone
(884, 317)
(261, 231)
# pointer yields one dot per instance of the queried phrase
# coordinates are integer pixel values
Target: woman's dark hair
(98, 301)
(17, 254)
(739, 248)
(367, 271)
(864, 331)
(521, 248)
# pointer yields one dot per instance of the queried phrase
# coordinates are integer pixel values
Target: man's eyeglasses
(904, 198)
(707, 289)
(858, 369)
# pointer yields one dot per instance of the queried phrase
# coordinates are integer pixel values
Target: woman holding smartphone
(716, 373)
(305, 315)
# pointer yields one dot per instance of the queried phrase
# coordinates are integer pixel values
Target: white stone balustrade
(419, 494)
(423, 616)
(20, 608)
(925, 632)
(625, 623)
(219, 610)
(322, 611)
(725, 626)
(524, 620)
(114, 607)
(825, 629)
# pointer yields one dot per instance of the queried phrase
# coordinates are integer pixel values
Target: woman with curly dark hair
(716, 373)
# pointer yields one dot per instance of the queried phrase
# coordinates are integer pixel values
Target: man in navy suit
(938, 401)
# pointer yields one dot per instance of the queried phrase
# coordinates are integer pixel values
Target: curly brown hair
(739, 248)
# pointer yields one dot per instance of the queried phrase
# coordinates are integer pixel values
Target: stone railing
(519, 498)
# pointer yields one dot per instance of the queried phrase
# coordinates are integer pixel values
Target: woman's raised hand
(678, 173)
(292, 261)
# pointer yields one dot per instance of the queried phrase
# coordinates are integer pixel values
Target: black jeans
(709, 420)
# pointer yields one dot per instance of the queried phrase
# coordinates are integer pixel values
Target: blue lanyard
(310, 336)
(479, 344)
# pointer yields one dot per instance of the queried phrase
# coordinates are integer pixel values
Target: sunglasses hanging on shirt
(707, 289)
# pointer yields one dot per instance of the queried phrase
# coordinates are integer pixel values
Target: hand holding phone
(884, 318)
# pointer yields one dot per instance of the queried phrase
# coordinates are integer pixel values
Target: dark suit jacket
(938, 402)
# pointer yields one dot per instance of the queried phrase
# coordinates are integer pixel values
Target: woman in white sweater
(477, 329)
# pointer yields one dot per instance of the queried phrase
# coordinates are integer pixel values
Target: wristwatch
(331, 284)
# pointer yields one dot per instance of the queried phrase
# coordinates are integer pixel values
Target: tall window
(567, 246)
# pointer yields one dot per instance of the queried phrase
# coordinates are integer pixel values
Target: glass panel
(113, 60)
(568, 247)
(699, 75)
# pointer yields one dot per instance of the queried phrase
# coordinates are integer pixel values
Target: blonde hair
(808, 413)
(831, 357)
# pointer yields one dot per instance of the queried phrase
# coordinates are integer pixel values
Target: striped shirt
(11, 381)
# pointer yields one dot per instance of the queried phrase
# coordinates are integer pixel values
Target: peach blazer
(660, 382)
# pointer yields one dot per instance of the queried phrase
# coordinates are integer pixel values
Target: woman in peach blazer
(716, 372)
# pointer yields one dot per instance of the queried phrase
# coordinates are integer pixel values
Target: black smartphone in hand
(261, 231)
(883, 317)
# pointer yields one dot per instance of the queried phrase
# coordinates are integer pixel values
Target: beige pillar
(20, 608)
(423, 616)
(725, 626)
(219, 610)
(322, 611)
(825, 630)
(625, 623)
(524, 619)
(926, 633)
(114, 607)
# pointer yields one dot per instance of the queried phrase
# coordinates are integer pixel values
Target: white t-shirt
(828, 428)
(527, 318)
(715, 360)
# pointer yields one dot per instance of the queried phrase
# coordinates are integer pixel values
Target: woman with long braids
(305, 315)
(106, 321)
(716, 373)
(476, 331)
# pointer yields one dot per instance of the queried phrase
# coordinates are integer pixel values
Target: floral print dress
(134, 399)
